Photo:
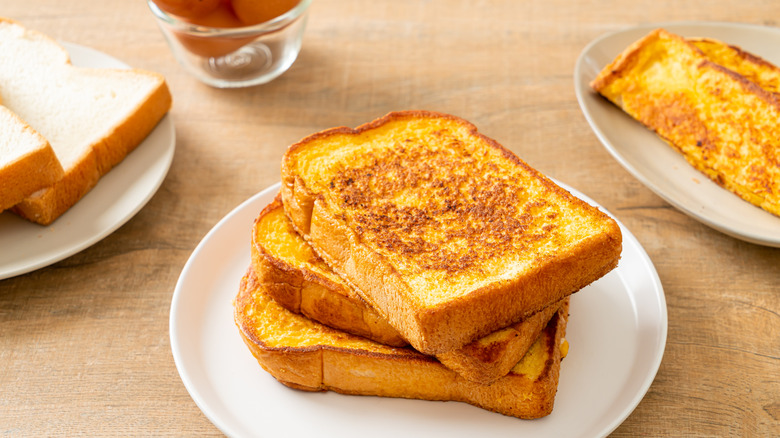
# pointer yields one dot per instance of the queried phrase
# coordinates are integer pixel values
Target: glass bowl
(237, 56)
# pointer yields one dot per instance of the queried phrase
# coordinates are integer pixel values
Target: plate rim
(659, 339)
(583, 92)
(163, 161)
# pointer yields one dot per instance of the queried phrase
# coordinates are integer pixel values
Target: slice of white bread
(306, 355)
(27, 160)
(91, 117)
(443, 231)
(301, 282)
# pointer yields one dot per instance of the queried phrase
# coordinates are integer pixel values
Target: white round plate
(659, 167)
(117, 197)
(617, 333)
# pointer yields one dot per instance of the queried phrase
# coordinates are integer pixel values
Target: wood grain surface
(84, 346)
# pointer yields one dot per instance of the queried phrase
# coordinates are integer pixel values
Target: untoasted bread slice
(27, 160)
(306, 355)
(448, 235)
(295, 277)
(92, 117)
(724, 124)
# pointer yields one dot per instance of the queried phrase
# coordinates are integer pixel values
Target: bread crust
(30, 172)
(493, 356)
(458, 321)
(46, 206)
(754, 68)
(350, 365)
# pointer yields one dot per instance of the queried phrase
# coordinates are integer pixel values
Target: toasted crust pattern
(296, 278)
(721, 117)
(446, 233)
(305, 355)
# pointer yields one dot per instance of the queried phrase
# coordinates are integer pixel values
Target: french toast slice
(306, 355)
(295, 277)
(447, 234)
(723, 123)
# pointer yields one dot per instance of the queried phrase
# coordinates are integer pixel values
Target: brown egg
(214, 46)
(221, 16)
(259, 11)
(188, 8)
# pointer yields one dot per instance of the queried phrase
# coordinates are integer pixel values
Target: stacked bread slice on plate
(74, 124)
(414, 257)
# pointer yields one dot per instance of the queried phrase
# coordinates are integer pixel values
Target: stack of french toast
(415, 257)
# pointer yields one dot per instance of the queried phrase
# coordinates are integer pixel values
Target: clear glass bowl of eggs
(233, 43)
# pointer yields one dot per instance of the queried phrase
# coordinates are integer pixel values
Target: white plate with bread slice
(654, 163)
(616, 332)
(117, 197)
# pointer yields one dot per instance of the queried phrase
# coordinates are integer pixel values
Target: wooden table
(84, 344)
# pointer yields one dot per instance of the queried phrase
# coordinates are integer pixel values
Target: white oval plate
(659, 167)
(617, 333)
(117, 197)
